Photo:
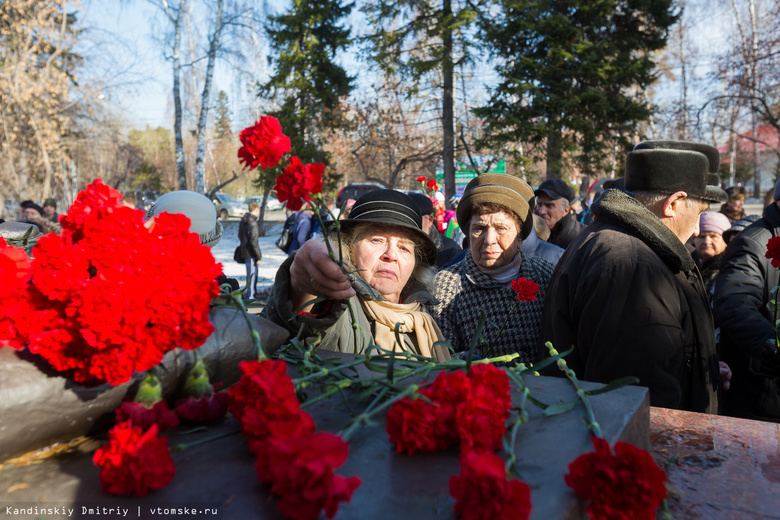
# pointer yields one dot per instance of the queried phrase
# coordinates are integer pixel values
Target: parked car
(228, 206)
(272, 204)
(355, 190)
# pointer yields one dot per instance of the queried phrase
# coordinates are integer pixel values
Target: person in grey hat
(742, 308)
(553, 204)
(495, 213)
(391, 257)
(627, 295)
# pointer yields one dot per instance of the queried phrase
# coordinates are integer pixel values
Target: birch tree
(38, 68)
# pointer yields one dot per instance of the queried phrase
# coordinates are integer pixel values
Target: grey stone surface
(38, 406)
(220, 474)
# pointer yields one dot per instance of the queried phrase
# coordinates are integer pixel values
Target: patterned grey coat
(464, 290)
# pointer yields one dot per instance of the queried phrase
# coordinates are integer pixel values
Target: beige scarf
(413, 318)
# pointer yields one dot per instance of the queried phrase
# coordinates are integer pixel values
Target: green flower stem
(509, 449)
(364, 417)
(591, 417)
(515, 375)
(337, 387)
(323, 372)
(506, 321)
(178, 448)
(257, 345)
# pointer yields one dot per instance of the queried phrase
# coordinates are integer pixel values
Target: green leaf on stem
(550, 360)
(614, 385)
(475, 339)
(313, 302)
(391, 362)
(559, 408)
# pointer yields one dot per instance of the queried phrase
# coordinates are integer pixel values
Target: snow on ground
(272, 255)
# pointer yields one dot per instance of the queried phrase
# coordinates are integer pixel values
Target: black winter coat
(742, 291)
(565, 231)
(627, 296)
(248, 236)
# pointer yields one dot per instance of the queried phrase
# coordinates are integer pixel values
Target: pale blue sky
(122, 47)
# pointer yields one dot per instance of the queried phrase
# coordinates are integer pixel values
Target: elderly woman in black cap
(496, 214)
(382, 240)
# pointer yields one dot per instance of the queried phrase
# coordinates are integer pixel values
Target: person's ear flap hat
(671, 166)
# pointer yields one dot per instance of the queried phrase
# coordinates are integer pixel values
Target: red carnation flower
(526, 289)
(145, 416)
(448, 391)
(432, 185)
(481, 420)
(422, 178)
(483, 491)
(495, 380)
(298, 183)
(262, 382)
(773, 251)
(413, 425)
(102, 302)
(204, 408)
(15, 272)
(263, 144)
(303, 475)
(271, 420)
(15, 268)
(202, 403)
(623, 484)
(134, 462)
(279, 427)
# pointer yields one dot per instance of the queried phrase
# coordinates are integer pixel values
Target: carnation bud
(149, 391)
(197, 383)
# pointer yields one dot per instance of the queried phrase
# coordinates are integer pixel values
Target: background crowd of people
(658, 275)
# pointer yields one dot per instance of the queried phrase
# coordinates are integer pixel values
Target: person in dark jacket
(50, 210)
(248, 236)
(747, 338)
(626, 294)
(734, 208)
(553, 199)
(710, 246)
(302, 230)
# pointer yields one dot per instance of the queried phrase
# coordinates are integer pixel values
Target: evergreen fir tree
(572, 74)
(223, 113)
(308, 84)
(428, 39)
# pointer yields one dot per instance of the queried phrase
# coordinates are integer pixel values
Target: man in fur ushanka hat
(627, 295)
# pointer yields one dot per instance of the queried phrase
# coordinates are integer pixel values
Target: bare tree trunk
(178, 22)
(733, 145)
(754, 109)
(684, 86)
(554, 154)
(447, 119)
(200, 180)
